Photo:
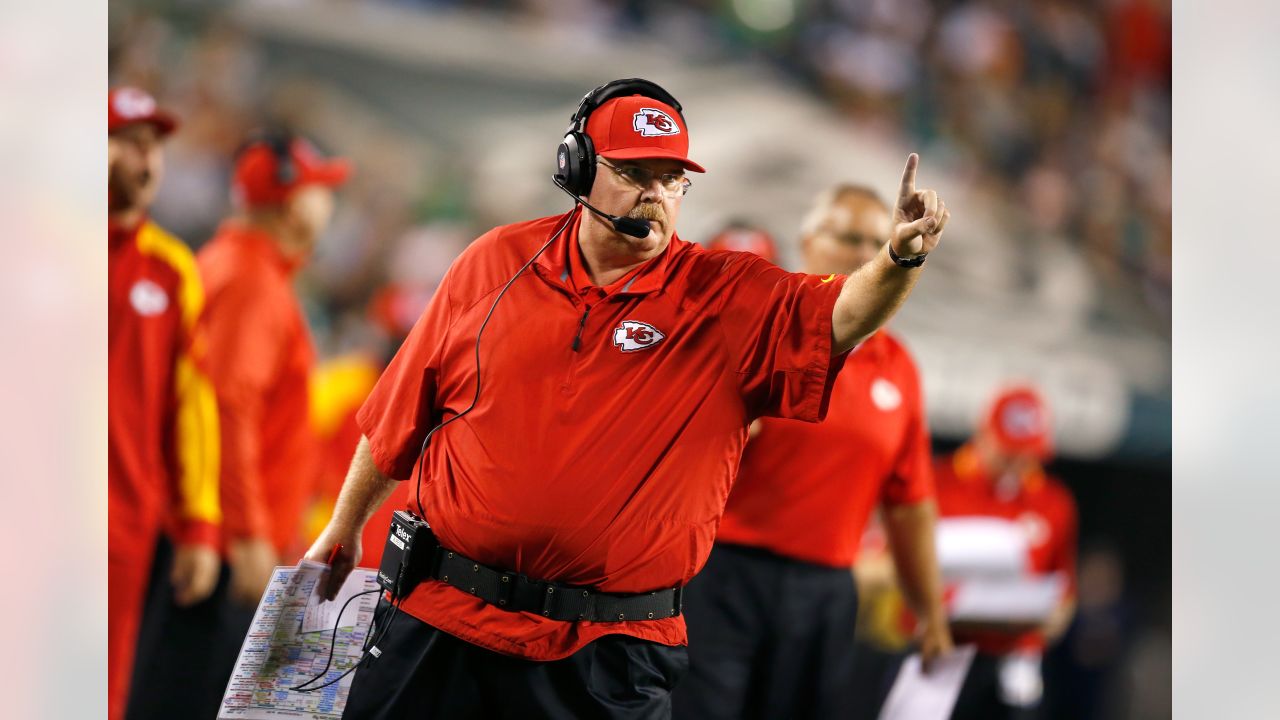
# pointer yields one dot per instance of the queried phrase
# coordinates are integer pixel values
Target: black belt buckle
(677, 601)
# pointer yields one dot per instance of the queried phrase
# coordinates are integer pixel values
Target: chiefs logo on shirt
(633, 335)
(885, 395)
(1035, 527)
(148, 298)
(650, 122)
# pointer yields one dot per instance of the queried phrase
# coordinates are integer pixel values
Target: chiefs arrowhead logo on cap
(1022, 420)
(650, 122)
(132, 103)
(633, 335)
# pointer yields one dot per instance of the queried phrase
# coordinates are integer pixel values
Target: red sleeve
(402, 407)
(777, 326)
(245, 331)
(911, 480)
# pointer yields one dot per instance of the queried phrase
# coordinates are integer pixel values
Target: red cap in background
(129, 106)
(1019, 421)
(640, 128)
(746, 239)
(259, 179)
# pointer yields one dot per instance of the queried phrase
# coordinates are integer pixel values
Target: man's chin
(650, 244)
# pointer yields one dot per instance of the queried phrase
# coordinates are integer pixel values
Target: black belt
(515, 592)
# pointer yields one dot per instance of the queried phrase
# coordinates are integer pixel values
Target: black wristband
(914, 262)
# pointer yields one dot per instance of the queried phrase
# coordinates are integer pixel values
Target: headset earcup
(576, 163)
(564, 162)
(587, 176)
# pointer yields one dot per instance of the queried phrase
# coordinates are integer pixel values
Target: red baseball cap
(258, 180)
(128, 106)
(746, 239)
(1018, 419)
(640, 128)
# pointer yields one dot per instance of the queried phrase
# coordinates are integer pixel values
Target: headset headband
(280, 142)
(619, 88)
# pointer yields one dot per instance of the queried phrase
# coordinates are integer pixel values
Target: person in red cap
(742, 236)
(260, 358)
(260, 348)
(162, 443)
(771, 616)
(574, 492)
(998, 477)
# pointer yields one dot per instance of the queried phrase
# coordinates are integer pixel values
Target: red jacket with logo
(1042, 509)
(806, 491)
(610, 424)
(260, 358)
(162, 446)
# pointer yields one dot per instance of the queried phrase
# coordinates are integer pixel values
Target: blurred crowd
(1055, 111)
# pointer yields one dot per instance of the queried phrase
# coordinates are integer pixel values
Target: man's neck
(268, 225)
(605, 256)
(127, 217)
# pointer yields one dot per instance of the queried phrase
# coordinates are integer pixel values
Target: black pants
(874, 671)
(424, 673)
(185, 655)
(980, 696)
(769, 637)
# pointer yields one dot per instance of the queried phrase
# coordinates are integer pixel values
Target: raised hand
(918, 217)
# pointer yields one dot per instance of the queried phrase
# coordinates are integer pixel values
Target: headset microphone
(625, 225)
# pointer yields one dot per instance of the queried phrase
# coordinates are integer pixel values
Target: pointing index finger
(908, 188)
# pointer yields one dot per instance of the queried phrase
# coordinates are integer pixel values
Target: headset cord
(333, 641)
(417, 492)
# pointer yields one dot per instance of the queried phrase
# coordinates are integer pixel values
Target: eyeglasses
(673, 184)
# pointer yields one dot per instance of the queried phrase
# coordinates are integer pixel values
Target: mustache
(648, 211)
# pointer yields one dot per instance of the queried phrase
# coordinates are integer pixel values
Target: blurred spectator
(741, 236)
(1007, 540)
(162, 447)
(260, 356)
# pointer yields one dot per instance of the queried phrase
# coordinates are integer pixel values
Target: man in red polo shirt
(772, 614)
(577, 490)
(162, 445)
(998, 479)
(740, 235)
(260, 358)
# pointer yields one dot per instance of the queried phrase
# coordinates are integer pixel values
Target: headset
(280, 143)
(576, 156)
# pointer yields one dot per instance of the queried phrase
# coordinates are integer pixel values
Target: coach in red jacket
(619, 376)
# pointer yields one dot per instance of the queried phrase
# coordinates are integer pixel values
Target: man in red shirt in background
(260, 358)
(261, 352)
(162, 446)
(771, 616)
(999, 475)
(742, 236)
(575, 494)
